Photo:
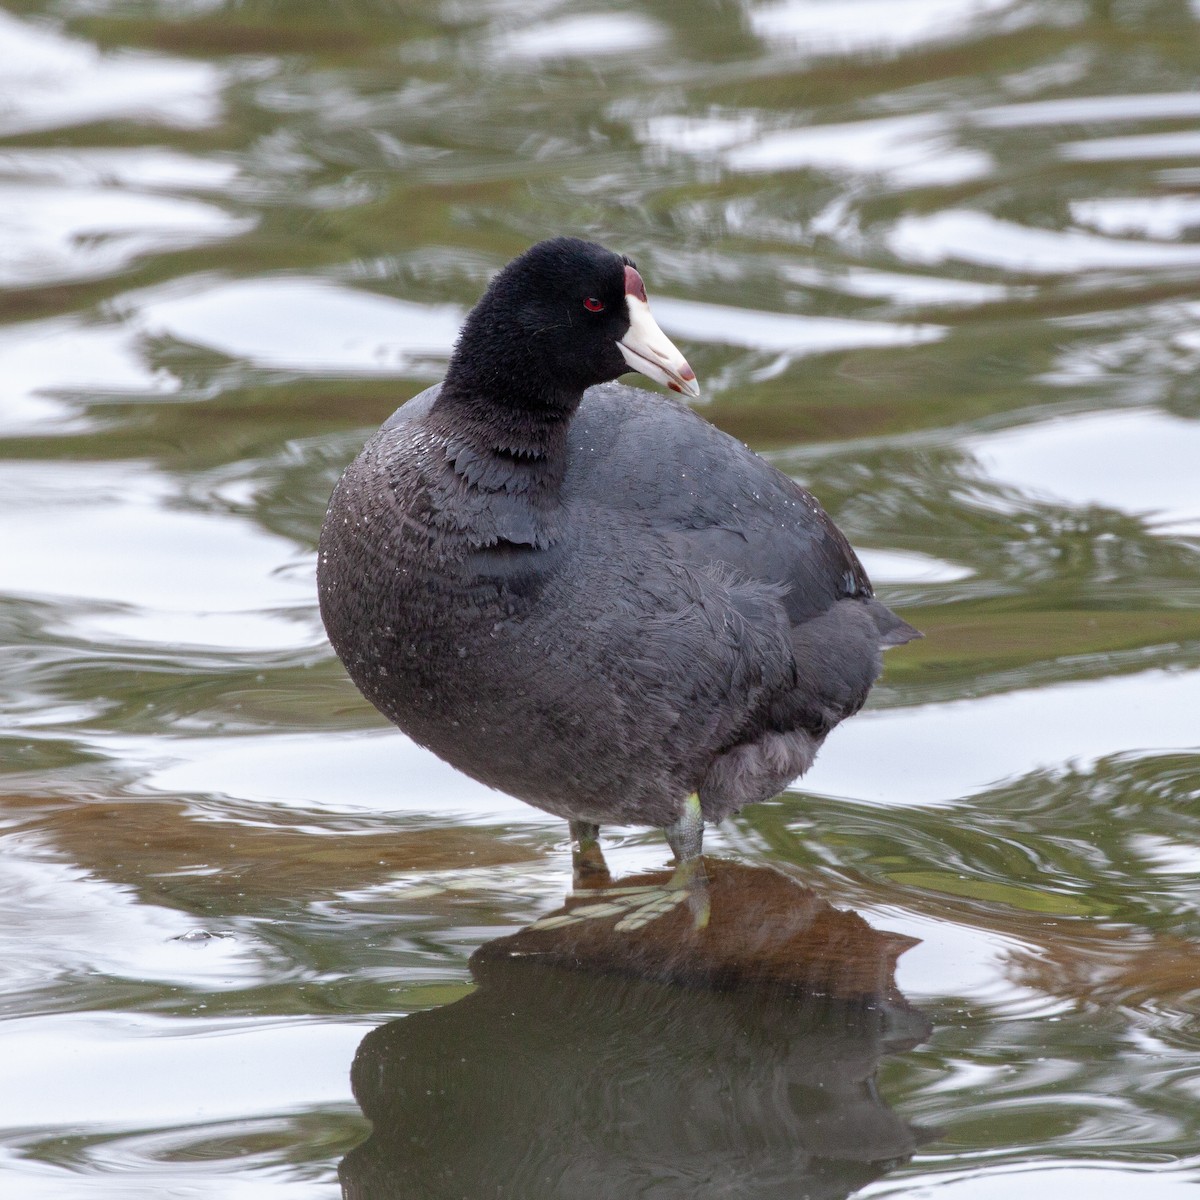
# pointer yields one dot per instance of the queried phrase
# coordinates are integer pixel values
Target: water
(936, 258)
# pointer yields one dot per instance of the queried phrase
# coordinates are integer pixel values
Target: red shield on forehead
(633, 284)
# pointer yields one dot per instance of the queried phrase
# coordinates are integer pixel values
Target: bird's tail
(893, 631)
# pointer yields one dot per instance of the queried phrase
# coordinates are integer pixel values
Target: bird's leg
(686, 835)
(588, 868)
(686, 839)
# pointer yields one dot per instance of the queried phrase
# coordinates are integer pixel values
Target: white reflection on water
(907, 566)
(303, 324)
(841, 26)
(920, 291)
(134, 166)
(49, 234)
(1163, 217)
(970, 963)
(702, 136)
(1184, 144)
(108, 535)
(910, 151)
(941, 753)
(49, 81)
(381, 771)
(136, 1178)
(59, 920)
(1167, 856)
(42, 358)
(1141, 461)
(1081, 110)
(782, 332)
(611, 32)
(1050, 1177)
(965, 235)
(106, 1071)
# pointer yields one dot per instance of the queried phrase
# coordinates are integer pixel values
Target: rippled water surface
(937, 259)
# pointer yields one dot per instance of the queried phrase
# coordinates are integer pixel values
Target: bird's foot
(637, 907)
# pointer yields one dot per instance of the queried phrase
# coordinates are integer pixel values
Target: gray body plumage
(647, 611)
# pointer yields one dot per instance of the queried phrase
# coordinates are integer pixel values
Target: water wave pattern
(937, 259)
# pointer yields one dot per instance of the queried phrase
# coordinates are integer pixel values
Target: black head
(563, 316)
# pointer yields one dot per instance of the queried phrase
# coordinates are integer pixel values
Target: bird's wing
(709, 498)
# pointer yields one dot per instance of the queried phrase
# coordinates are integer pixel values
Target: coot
(582, 593)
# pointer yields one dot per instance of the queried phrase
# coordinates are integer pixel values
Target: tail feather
(893, 631)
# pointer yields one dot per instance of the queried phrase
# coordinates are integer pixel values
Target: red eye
(593, 305)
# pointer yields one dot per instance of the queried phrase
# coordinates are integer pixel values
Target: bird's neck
(499, 392)
(503, 443)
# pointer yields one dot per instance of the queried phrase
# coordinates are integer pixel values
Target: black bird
(582, 593)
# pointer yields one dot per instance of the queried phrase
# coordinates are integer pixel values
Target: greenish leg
(686, 836)
(588, 867)
(686, 839)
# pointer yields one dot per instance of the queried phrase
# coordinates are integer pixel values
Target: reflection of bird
(737, 1060)
(586, 595)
